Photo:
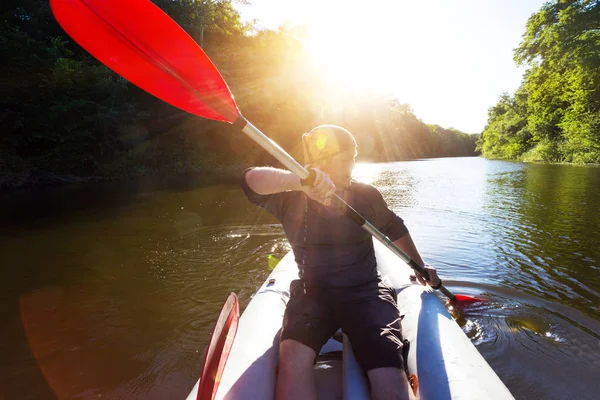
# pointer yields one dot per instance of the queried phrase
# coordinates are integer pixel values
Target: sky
(449, 59)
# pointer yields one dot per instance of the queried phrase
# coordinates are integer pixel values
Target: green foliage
(215, 19)
(544, 150)
(64, 115)
(61, 111)
(506, 134)
(557, 108)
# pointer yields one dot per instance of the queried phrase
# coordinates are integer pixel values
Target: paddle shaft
(280, 154)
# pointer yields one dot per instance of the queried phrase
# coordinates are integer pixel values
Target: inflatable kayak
(447, 364)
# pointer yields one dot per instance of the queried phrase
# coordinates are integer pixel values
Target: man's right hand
(322, 189)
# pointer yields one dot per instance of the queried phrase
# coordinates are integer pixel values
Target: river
(111, 291)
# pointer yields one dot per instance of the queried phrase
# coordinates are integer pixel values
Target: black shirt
(329, 248)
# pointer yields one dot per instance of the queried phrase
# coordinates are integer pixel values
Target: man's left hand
(433, 281)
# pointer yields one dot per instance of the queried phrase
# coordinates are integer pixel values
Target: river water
(111, 292)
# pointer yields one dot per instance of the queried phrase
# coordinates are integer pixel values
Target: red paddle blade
(138, 41)
(466, 300)
(218, 349)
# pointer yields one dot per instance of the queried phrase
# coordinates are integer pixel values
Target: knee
(389, 383)
(295, 356)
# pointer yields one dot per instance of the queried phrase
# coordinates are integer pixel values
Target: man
(339, 285)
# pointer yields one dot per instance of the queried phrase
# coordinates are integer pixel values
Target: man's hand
(322, 189)
(433, 281)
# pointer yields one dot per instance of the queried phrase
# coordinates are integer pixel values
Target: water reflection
(547, 228)
(117, 298)
(366, 172)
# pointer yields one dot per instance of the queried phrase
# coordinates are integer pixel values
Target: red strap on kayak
(414, 383)
(218, 349)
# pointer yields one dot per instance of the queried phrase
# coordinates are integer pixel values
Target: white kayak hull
(447, 364)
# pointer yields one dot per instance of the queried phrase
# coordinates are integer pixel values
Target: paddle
(219, 347)
(144, 45)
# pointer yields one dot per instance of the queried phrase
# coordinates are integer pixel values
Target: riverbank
(543, 162)
(39, 180)
(160, 174)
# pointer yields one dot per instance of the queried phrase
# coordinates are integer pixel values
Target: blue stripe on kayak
(433, 384)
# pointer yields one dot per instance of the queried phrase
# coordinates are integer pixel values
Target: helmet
(325, 141)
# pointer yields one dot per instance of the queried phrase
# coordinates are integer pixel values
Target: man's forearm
(407, 245)
(267, 180)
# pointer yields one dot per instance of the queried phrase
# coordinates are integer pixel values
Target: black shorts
(367, 314)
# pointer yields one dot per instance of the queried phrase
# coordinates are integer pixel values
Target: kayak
(446, 363)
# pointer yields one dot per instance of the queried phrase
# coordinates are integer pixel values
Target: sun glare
(366, 172)
(354, 53)
(345, 60)
(449, 60)
(379, 48)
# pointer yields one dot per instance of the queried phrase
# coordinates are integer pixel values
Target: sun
(353, 57)
(424, 53)
(386, 48)
(363, 47)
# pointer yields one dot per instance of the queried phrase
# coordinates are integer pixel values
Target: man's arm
(267, 180)
(406, 244)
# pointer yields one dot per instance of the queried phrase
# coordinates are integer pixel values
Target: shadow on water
(112, 292)
(22, 209)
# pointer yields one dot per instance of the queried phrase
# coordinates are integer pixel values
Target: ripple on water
(196, 270)
(519, 334)
(180, 289)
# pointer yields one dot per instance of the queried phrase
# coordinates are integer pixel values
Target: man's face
(339, 168)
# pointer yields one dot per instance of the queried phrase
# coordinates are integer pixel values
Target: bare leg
(295, 377)
(389, 384)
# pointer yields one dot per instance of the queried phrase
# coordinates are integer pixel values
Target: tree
(61, 111)
(561, 89)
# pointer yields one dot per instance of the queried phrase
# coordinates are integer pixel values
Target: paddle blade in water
(137, 40)
(466, 300)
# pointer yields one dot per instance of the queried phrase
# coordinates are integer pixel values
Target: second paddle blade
(137, 40)
(218, 348)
